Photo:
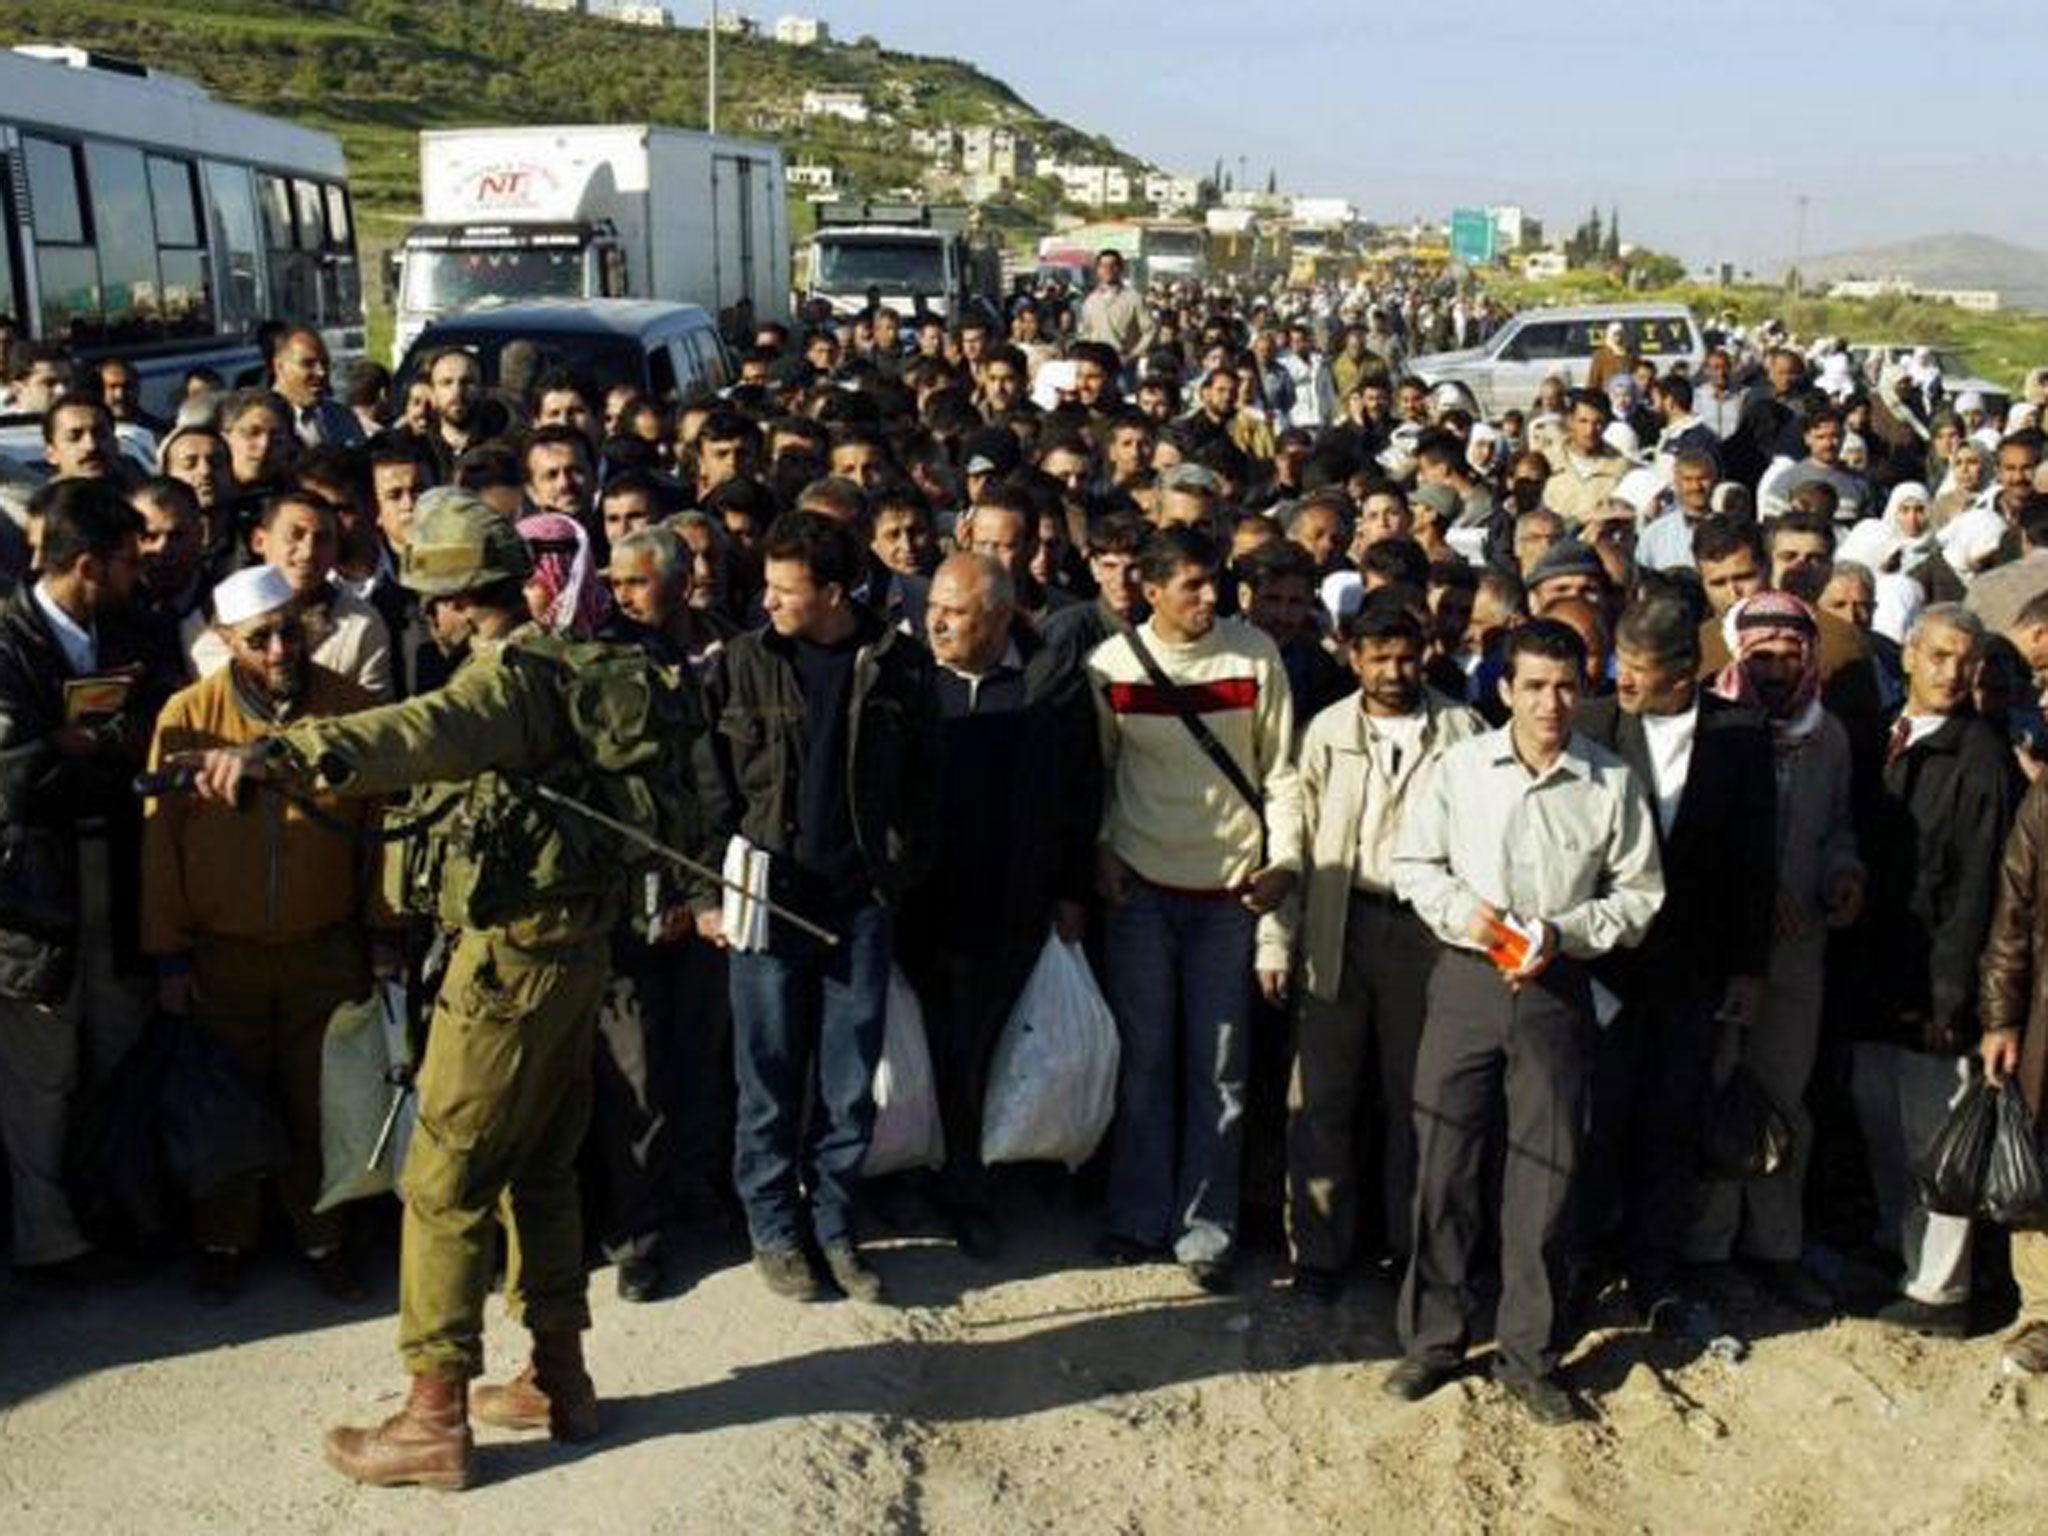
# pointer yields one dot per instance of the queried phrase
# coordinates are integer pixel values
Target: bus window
(312, 218)
(67, 273)
(170, 195)
(294, 275)
(10, 291)
(126, 234)
(180, 255)
(277, 212)
(339, 234)
(231, 223)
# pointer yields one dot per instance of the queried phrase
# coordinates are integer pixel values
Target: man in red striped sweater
(1201, 841)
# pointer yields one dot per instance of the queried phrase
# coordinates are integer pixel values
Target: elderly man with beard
(256, 921)
(1820, 885)
(1017, 731)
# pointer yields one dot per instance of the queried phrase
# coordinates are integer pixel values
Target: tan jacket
(268, 873)
(1339, 775)
(1579, 487)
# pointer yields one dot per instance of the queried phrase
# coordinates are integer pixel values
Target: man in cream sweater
(1194, 858)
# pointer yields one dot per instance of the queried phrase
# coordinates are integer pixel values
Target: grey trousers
(1353, 1081)
(1902, 1099)
(1765, 1218)
(1492, 1057)
(44, 1053)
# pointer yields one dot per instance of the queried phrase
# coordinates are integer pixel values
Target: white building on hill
(801, 31)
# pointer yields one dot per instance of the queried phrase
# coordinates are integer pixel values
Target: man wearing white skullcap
(256, 921)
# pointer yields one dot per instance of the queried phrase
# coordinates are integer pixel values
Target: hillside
(378, 71)
(1948, 261)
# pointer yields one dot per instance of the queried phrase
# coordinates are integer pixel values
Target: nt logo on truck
(510, 186)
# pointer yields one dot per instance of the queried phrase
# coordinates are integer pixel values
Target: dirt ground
(1041, 1394)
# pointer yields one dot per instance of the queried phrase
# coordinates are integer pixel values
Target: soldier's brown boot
(426, 1442)
(553, 1393)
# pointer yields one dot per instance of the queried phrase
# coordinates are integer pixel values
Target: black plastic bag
(121, 1185)
(218, 1126)
(1748, 1136)
(1952, 1169)
(2015, 1183)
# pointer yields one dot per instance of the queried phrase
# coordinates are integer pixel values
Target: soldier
(532, 895)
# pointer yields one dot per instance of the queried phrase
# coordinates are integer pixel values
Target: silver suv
(1504, 372)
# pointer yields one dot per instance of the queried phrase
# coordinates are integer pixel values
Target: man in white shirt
(68, 754)
(1532, 852)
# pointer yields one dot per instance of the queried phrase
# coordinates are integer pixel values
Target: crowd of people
(1451, 808)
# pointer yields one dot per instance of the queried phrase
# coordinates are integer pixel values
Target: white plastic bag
(364, 1052)
(907, 1130)
(1052, 1083)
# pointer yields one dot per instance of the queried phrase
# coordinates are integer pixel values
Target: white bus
(141, 218)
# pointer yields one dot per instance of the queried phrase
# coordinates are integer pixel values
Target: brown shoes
(427, 1442)
(553, 1393)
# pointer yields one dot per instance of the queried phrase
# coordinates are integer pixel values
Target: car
(1504, 372)
(668, 351)
(1872, 357)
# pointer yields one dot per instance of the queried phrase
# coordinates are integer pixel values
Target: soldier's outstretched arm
(489, 715)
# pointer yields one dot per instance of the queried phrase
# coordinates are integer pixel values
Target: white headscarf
(1913, 548)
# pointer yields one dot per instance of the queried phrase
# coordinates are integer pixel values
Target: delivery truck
(915, 258)
(518, 214)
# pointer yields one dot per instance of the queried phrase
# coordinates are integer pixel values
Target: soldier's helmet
(459, 545)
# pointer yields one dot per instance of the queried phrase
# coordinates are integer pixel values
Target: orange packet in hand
(1510, 943)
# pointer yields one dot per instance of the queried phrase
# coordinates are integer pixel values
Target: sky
(1703, 123)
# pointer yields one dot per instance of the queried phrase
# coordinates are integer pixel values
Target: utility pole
(1799, 249)
(711, 70)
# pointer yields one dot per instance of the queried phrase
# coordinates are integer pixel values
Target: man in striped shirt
(1194, 857)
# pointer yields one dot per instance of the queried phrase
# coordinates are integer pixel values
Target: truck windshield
(893, 266)
(1173, 242)
(444, 281)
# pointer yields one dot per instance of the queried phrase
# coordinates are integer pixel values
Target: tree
(1272, 182)
(1612, 250)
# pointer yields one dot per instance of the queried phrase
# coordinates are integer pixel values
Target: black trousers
(967, 996)
(1492, 1058)
(646, 1042)
(1652, 1085)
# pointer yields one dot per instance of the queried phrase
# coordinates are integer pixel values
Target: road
(1040, 1395)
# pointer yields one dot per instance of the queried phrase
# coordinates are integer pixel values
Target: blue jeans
(807, 1024)
(1180, 971)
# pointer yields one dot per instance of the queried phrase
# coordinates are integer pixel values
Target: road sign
(1472, 237)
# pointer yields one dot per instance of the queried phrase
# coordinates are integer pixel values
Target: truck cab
(908, 257)
(444, 269)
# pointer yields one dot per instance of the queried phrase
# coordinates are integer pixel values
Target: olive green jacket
(497, 715)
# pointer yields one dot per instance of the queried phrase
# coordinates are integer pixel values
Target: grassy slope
(377, 71)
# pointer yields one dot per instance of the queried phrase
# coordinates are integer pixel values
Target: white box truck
(514, 214)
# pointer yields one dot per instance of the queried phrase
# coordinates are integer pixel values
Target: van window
(709, 359)
(1540, 341)
(661, 375)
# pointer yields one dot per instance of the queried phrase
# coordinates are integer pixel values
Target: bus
(141, 218)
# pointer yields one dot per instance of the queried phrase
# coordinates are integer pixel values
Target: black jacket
(1720, 857)
(1039, 833)
(46, 797)
(749, 780)
(1934, 854)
